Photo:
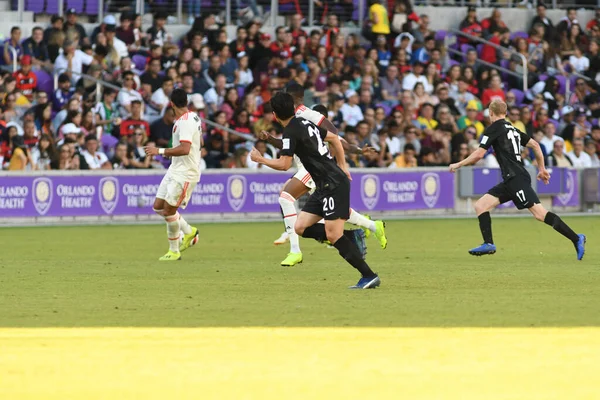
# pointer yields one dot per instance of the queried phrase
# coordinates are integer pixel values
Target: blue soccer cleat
(357, 236)
(484, 249)
(367, 283)
(580, 246)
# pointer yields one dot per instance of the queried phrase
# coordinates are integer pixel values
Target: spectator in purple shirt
(15, 43)
(63, 93)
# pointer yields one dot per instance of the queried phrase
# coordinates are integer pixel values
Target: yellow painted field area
(300, 363)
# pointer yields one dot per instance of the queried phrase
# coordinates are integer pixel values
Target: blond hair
(498, 108)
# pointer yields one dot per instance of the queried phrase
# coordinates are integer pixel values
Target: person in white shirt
(94, 159)
(579, 62)
(183, 175)
(160, 98)
(351, 111)
(215, 96)
(550, 137)
(591, 150)
(117, 44)
(127, 94)
(71, 61)
(579, 158)
(410, 80)
(261, 146)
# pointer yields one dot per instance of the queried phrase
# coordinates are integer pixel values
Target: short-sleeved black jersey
(507, 141)
(305, 139)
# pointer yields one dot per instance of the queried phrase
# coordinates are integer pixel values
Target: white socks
(185, 227)
(362, 221)
(173, 232)
(286, 201)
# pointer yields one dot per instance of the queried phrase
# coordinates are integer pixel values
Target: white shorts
(175, 193)
(303, 176)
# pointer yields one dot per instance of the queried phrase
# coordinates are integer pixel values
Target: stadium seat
(45, 81)
(36, 6)
(554, 122)
(518, 34)
(78, 5)
(543, 77)
(356, 5)
(2, 58)
(519, 96)
(562, 81)
(440, 35)
(139, 61)
(464, 48)
(386, 108)
(92, 7)
(52, 7)
(479, 49)
(504, 64)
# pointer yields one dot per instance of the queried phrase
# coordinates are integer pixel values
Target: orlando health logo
(108, 193)
(369, 191)
(430, 188)
(236, 191)
(42, 191)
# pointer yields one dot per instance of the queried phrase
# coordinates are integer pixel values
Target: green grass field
(228, 322)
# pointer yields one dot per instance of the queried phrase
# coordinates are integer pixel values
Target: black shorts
(330, 202)
(517, 189)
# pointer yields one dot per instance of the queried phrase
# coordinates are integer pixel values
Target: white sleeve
(187, 129)
(60, 64)
(86, 59)
(210, 97)
(312, 115)
(123, 99)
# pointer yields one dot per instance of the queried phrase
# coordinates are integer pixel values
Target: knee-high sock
(185, 227)
(350, 253)
(485, 225)
(362, 221)
(173, 232)
(559, 226)
(286, 201)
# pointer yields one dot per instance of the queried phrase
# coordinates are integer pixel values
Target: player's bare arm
(182, 150)
(329, 126)
(272, 140)
(472, 159)
(283, 163)
(543, 174)
(354, 149)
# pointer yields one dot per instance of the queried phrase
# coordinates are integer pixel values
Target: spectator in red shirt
(281, 45)
(495, 21)
(470, 26)
(494, 92)
(26, 79)
(296, 28)
(135, 121)
(489, 53)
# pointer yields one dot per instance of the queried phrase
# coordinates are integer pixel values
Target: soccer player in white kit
(182, 176)
(301, 183)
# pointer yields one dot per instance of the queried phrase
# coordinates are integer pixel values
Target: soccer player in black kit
(331, 200)
(516, 185)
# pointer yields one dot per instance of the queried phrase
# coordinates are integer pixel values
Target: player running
(331, 200)
(302, 182)
(507, 142)
(182, 177)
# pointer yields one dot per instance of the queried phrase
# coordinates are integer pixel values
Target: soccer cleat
(367, 283)
(484, 249)
(292, 259)
(580, 246)
(380, 233)
(189, 240)
(357, 237)
(282, 239)
(171, 256)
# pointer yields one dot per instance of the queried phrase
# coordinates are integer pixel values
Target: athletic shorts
(517, 189)
(303, 176)
(174, 192)
(329, 202)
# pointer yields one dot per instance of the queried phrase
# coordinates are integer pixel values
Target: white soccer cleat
(283, 239)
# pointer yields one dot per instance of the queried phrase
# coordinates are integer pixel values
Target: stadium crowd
(394, 87)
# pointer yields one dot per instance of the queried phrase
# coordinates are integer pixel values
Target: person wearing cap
(351, 112)
(63, 93)
(71, 61)
(35, 46)
(410, 80)
(71, 23)
(470, 119)
(93, 158)
(26, 79)
(107, 20)
(566, 127)
(157, 32)
(14, 42)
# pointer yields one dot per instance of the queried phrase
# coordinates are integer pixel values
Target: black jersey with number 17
(305, 139)
(506, 141)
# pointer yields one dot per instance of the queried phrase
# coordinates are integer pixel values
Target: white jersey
(311, 115)
(187, 128)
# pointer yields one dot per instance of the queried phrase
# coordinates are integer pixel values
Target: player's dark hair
(283, 105)
(179, 98)
(321, 109)
(295, 89)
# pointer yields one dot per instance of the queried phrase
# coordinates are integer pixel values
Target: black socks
(485, 225)
(316, 231)
(350, 252)
(559, 226)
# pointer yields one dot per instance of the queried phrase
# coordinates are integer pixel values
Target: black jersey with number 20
(507, 141)
(305, 139)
